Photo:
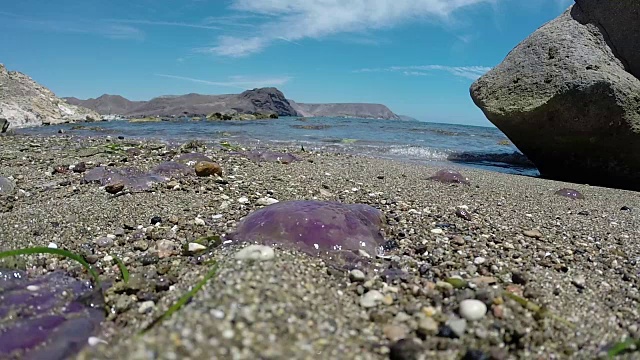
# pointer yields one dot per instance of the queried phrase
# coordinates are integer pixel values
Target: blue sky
(416, 56)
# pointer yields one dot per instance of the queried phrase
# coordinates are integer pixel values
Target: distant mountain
(407, 118)
(360, 110)
(107, 104)
(24, 102)
(263, 100)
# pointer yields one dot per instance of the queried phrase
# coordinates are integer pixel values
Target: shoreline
(582, 266)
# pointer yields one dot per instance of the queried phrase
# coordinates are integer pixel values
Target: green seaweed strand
(46, 250)
(183, 300)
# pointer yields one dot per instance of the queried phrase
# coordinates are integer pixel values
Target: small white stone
(111, 236)
(437, 231)
(458, 326)
(371, 299)
(464, 207)
(146, 307)
(108, 258)
(243, 200)
(52, 245)
(199, 221)
(266, 201)
(33, 287)
(256, 252)
(472, 309)
(195, 247)
(479, 260)
(217, 216)
(93, 341)
(356, 275)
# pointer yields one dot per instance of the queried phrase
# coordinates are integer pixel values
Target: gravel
(574, 262)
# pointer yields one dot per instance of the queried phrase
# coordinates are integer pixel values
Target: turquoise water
(402, 140)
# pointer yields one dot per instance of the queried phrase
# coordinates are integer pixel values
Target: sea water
(414, 141)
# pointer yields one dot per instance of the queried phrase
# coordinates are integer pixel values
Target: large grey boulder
(24, 102)
(567, 96)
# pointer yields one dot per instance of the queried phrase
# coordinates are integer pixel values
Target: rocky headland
(568, 95)
(251, 102)
(24, 102)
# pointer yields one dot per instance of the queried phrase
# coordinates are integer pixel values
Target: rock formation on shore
(263, 100)
(568, 96)
(24, 102)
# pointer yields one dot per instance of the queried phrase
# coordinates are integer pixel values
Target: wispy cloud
(468, 72)
(164, 23)
(241, 82)
(105, 29)
(296, 20)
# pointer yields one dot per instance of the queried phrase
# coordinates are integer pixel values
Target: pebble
(266, 201)
(243, 200)
(579, 281)
(371, 299)
(256, 252)
(535, 233)
(437, 231)
(166, 248)
(479, 260)
(104, 242)
(195, 247)
(405, 349)
(394, 332)
(207, 168)
(427, 326)
(114, 188)
(357, 275)
(199, 221)
(472, 309)
(156, 220)
(458, 326)
(146, 306)
(52, 245)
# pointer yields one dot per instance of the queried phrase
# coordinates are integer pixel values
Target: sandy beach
(577, 259)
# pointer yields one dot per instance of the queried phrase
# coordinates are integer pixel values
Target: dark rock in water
(449, 176)
(132, 178)
(315, 227)
(475, 355)
(625, 208)
(173, 169)
(191, 158)
(567, 96)
(6, 185)
(405, 349)
(48, 317)
(515, 158)
(570, 193)
(269, 156)
(156, 220)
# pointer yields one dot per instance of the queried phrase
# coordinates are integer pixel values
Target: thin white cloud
(241, 82)
(164, 23)
(296, 20)
(109, 30)
(468, 72)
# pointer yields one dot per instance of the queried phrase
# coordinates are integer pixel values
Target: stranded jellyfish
(191, 158)
(48, 317)
(172, 168)
(269, 156)
(570, 193)
(132, 178)
(315, 227)
(449, 176)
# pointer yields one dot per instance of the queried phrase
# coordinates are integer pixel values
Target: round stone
(256, 252)
(472, 309)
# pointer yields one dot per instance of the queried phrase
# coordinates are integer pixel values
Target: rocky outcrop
(24, 102)
(568, 96)
(257, 101)
(357, 110)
